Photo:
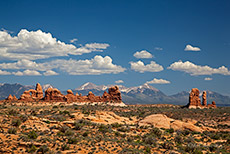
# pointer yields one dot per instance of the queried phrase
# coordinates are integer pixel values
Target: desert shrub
(32, 135)
(43, 149)
(193, 148)
(151, 140)
(186, 132)
(65, 131)
(23, 117)
(213, 147)
(116, 125)
(16, 122)
(171, 130)
(103, 128)
(85, 134)
(72, 140)
(167, 145)
(123, 129)
(178, 139)
(190, 139)
(156, 132)
(32, 149)
(13, 112)
(64, 147)
(12, 131)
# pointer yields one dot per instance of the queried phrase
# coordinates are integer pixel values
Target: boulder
(162, 121)
(156, 120)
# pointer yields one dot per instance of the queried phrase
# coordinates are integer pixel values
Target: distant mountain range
(144, 94)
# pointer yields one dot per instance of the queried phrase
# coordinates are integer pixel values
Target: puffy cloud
(158, 48)
(194, 69)
(73, 40)
(141, 67)
(33, 45)
(27, 73)
(50, 73)
(4, 72)
(119, 81)
(158, 81)
(95, 66)
(207, 79)
(191, 48)
(143, 54)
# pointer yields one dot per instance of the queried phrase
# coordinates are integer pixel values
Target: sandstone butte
(195, 102)
(54, 95)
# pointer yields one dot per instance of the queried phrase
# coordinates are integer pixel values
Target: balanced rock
(194, 100)
(115, 94)
(70, 97)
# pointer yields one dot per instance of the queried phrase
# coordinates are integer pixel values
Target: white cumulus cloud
(50, 73)
(191, 48)
(158, 81)
(33, 45)
(95, 66)
(194, 69)
(27, 73)
(141, 67)
(119, 81)
(143, 54)
(4, 72)
(207, 79)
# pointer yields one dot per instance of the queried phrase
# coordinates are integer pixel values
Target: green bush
(43, 149)
(12, 130)
(16, 122)
(32, 149)
(32, 135)
(72, 140)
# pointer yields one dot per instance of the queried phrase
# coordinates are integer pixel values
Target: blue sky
(179, 45)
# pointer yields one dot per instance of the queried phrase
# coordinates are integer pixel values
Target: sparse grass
(115, 138)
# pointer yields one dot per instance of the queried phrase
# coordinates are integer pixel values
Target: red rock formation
(115, 94)
(70, 97)
(15, 98)
(39, 91)
(204, 99)
(194, 100)
(53, 95)
(213, 105)
(26, 96)
(9, 98)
